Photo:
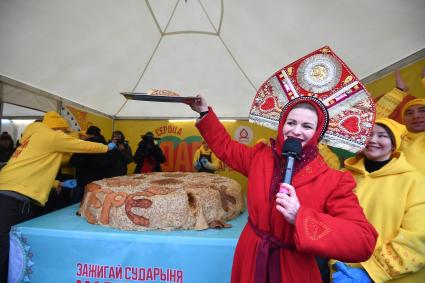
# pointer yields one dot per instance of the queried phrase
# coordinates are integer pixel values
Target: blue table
(62, 247)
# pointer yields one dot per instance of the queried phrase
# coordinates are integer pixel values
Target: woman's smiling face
(301, 124)
(379, 147)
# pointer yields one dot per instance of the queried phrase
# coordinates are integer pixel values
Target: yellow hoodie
(33, 167)
(413, 146)
(393, 199)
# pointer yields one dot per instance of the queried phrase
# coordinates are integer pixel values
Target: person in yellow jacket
(409, 110)
(204, 160)
(29, 175)
(413, 144)
(392, 194)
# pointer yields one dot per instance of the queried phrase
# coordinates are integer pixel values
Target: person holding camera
(148, 156)
(121, 155)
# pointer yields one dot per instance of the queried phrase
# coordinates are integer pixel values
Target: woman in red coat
(318, 216)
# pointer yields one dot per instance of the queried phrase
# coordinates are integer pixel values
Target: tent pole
(1, 106)
(59, 106)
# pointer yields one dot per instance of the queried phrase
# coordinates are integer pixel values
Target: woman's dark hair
(5, 136)
(93, 130)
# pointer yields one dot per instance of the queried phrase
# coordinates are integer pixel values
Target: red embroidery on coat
(314, 229)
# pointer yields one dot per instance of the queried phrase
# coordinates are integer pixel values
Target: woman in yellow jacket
(392, 194)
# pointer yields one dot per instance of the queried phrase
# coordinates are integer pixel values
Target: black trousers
(12, 211)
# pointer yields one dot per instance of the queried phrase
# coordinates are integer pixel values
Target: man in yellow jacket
(28, 177)
(413, 145)
(402, 107)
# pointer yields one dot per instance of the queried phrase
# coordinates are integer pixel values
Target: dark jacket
(6, 152)
(120, 159)
(152, 151)
(91, 167)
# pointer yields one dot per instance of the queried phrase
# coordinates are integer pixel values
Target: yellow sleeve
(67, 143)
(423, 82)
(389, 102)
(404, 254)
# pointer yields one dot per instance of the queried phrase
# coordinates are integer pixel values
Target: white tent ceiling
(89, 51)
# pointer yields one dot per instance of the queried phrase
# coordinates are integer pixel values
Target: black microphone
(292, 150)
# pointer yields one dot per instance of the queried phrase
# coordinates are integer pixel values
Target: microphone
(291, 150)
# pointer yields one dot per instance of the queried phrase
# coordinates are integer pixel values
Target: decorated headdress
(322, 75)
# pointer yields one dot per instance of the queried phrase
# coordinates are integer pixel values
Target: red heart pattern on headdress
(351, 124)
(268, 104)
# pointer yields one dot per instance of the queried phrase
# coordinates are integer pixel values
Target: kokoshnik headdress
(320, 74)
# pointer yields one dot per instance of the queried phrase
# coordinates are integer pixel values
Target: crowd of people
(36, 179)
(362, 221)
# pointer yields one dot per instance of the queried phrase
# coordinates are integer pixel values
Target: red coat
(330, 223)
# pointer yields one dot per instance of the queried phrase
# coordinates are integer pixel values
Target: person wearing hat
(90, 167)
(148, 156)
(413, 144)
(290, 224)
(204, 160)
(29, 175)
(397, 104)
(392, 194)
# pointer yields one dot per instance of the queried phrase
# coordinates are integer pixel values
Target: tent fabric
(15, 111)
(14, 95)
(88, 52)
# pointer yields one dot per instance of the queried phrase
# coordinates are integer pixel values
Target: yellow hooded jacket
(413, 146)
(393, 199)
(33, 167)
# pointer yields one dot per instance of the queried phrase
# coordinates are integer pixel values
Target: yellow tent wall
(411, 74)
